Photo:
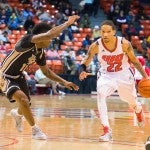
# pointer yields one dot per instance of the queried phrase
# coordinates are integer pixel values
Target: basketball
(144, 88)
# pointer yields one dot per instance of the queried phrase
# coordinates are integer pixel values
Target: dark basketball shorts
(10, 86)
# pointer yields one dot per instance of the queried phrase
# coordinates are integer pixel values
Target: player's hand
(83, 75)
(71, 86)
(72, 19)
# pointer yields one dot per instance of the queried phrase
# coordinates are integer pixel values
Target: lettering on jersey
(31, 60)
(114, 62)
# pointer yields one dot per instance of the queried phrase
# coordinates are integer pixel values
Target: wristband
(82, 67)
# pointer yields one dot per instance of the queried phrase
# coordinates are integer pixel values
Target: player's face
(107, 33)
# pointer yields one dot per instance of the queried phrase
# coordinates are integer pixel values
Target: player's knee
(23, 100)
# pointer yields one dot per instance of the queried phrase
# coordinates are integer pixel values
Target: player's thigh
(127, 91)
(105, 86)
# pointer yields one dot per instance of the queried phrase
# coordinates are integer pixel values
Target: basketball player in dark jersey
(28, 50)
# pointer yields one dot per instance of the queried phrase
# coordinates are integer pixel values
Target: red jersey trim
(107, 48)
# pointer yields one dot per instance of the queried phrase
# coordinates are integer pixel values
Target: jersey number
(114, 67)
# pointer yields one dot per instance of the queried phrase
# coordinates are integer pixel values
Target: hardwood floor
(71, 122)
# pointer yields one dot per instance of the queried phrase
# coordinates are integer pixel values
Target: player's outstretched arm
(51, 75)
(55, 31)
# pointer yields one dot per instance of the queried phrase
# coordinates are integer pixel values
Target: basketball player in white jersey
(114, 54)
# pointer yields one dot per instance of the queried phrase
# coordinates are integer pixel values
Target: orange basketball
(144, 88)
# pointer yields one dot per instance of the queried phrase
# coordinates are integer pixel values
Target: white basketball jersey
(112, 61)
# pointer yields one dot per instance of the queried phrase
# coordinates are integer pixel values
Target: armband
(82, 67)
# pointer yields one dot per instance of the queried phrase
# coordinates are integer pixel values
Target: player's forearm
(50, 74)
(55, 31)
(139, 67)
(87, 60)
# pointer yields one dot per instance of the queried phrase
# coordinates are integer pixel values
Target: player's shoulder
(24, 43)
(124, 41)
(94, 47)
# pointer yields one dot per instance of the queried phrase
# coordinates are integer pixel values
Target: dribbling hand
(83, 75)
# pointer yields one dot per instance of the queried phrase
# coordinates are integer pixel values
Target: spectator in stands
(29, 24)
(66, 35)
(115, 12)
(55, 43)
(82, 51)
(88, 7)
(131, 31)
(58, 19)
(52, 54)
(36, 4)
(120, 19)
(95, 7)
(3, 48)
(13, 22)
(75, 28)
(68, 58)
(18, 13)
(130, 17)
(137, 25)
(8, 12)
(85, 21)
(87, 41)
(67, 10)
(5, 4)
(42, 79)
(3, 17)
(43, 15)
(95, 33)
(4, 37)
(25, 1)
(141, 15)
(31, 82)
(25, 13)
(144, 47)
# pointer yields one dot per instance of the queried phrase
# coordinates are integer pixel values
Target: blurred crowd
(65, 53)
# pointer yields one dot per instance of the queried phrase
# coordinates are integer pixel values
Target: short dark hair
(108, 22)
(41, 28)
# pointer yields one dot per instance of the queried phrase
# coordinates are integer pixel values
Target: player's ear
(114, 32)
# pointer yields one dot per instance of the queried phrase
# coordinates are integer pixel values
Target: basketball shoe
(147, 144)
(107, 136)
(38, 134)
(139, 115)
(18, 120)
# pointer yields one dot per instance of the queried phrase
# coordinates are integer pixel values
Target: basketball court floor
(71, 122)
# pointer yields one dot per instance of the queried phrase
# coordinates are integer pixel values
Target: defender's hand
(71, 86)
(72, 19)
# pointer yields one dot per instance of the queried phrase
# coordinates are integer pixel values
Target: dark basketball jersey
(24, 54)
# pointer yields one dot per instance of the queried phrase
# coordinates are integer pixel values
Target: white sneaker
(61, 92)
(107, 136)
(38, 134)
(18, 120)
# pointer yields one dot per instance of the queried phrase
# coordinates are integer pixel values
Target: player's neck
(111, 45)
